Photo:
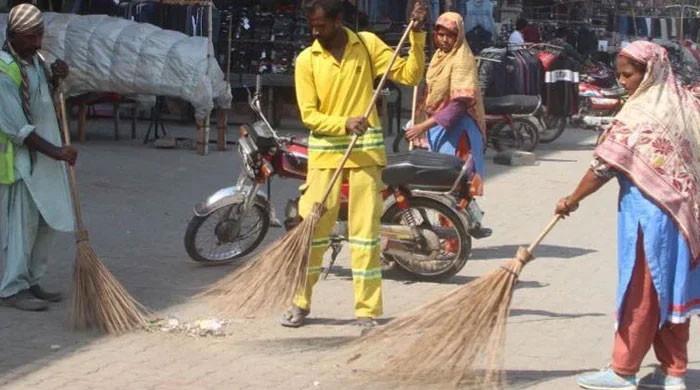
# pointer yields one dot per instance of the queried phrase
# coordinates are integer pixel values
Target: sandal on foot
(294, 317)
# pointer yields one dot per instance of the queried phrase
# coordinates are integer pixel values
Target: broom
(99, 300)
(271, 279)
(414, 103)
(456, 338)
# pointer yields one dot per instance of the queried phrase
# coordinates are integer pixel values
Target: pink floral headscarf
(655, 141)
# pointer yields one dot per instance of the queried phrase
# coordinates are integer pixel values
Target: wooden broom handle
(72, 181)
(544, 233)
(368, 111)
(414, 104)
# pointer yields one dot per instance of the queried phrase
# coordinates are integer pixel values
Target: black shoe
(480, 232)
(44, 295)
(24, 300)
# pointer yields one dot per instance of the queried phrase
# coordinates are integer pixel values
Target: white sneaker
(660, 380)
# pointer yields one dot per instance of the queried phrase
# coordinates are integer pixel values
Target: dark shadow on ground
(397, 274)
(527, 379)
(544, 250)
(550, 314)
(300, 344)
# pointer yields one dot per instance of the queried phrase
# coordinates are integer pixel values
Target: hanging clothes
(492, 74)
(479, 13)
(561, 87)
(641, 27)
(664, 28)
(656, 27)
(674, 28)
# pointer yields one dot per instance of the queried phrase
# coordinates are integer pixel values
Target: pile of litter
(199, 328)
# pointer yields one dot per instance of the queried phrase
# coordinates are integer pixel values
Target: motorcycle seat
(511, 104)
(422, 169)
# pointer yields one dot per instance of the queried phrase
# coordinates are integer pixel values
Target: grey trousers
(25, 240)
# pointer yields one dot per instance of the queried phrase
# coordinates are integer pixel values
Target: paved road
(137, 202)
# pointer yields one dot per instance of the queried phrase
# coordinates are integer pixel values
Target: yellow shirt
(330, 91)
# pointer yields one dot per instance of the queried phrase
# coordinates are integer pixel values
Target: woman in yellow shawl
(453, 105)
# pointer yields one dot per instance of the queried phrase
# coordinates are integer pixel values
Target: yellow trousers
(364, 214)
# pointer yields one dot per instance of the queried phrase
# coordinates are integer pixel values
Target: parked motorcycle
(597, 105)
(600, 98)
(424, 226)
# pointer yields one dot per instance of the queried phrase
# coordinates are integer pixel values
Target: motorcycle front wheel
(225, 234)
(455, 242)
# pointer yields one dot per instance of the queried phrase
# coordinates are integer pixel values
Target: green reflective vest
(9, 67)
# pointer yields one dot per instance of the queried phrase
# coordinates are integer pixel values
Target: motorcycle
(597, 104)
(426, 215)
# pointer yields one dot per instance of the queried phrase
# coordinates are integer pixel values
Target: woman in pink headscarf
(653, 149)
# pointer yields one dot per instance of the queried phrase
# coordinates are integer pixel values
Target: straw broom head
(99, 300)
(457, 338)
(269, 281)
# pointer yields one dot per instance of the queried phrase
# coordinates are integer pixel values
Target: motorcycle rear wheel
(422, 270)
(521, 135)
(553, 128)
(203, 238)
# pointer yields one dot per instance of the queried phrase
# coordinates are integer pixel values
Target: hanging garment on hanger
(664, 28)
(674, 28)
(650, 32)
(694, 28)
(623, 25)
(480, 13)
(492, 75)
(656, 27)
(641, 27)
(561, 87)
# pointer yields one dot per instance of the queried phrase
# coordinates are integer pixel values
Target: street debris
(199, 328)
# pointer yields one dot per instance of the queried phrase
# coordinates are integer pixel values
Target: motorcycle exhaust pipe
(597, 121)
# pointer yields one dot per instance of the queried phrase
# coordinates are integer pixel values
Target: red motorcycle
(598, 105)
(425, 225)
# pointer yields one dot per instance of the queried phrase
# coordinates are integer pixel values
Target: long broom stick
(271, 279)
(414, 103)
(99, 300)
(456, 338)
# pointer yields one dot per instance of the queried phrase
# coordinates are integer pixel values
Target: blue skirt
(446, 141)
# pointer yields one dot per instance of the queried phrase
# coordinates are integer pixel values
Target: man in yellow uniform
(334, 85)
